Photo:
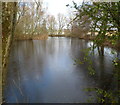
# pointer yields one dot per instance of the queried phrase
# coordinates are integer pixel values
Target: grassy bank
(31, 37)
(57, 35)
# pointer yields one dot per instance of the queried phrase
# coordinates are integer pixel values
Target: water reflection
(43, 71)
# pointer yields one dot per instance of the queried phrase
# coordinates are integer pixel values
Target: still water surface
(43, 71)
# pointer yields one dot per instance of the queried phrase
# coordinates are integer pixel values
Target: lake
(44, 71)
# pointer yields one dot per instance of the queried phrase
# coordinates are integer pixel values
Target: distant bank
(31, 37)
(87, 37)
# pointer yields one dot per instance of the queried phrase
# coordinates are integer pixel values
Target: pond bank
(108, 43)
(31, 37)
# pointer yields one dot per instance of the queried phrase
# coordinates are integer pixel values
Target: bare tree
(61, 23)
(51, 23)
(30, 17)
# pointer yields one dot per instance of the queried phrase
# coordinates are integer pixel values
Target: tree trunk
(9, 42)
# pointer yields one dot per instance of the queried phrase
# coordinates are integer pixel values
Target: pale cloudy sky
(59, 6)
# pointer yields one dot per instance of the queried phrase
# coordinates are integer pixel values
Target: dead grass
(31, 37)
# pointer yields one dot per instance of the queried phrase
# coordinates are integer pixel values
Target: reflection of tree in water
(21, 66)
(104, 76)
(33, 61)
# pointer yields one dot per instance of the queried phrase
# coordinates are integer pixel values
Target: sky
(59, 6)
